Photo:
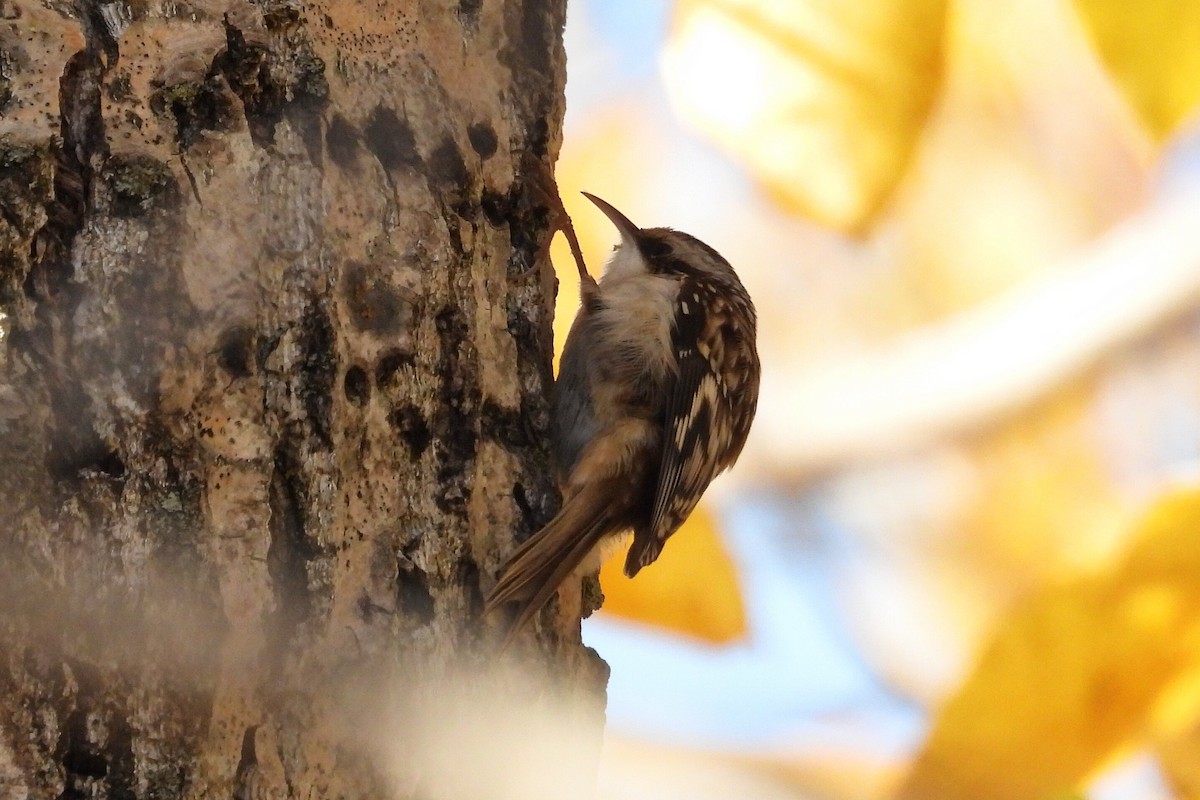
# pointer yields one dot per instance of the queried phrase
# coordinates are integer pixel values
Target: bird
(657, 388)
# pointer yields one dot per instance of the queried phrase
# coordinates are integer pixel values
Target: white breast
(636, 319)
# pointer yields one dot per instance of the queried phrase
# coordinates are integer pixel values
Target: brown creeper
(657, 386)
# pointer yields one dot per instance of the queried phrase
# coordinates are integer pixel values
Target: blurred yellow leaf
(1047, 499)
(1073, 675)
(1030, 153)
(691, 589)
(822, 99)
(1180, 759)
(1152, 49)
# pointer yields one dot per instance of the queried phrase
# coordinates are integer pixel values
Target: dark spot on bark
(483, 139)
(533, 40)
(391, 139)
(455, 428)
(468, 210)
(6, 92)
(468, 577)
(539, 137)
(447, 167)
(77, 450)
(525, 213)
(81, 758)
(367, 609)
(507, 426)
(522, 502)
(342, 141)
(196, 107)
(120, 88)
(409, 422)
(235, 351)
(533, 339)
(375, 305)
(280, 14)
(140, 183)
(535, 511)
(535, 346)
(122, 778)
(390, 363)
(461, 208)
(526, 230)
(291, 548)
(108, 462)
(309, 80)
(357, 386)
(412, 592)
(468, 12)
(536, 37)
(318, 370)
(497, 207)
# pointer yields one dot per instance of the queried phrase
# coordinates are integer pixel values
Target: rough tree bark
(273, 398)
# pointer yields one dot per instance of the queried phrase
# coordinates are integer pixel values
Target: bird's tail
(539, 566)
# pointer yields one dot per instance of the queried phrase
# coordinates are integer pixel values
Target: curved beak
(627, 229)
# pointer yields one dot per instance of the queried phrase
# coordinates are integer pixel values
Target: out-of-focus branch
(957, 375)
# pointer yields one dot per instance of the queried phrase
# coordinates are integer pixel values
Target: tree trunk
(274, 388)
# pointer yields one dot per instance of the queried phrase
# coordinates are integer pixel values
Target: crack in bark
(247, 765)
(455, 426)
(187, 170)
(74, 444)
(412, 591)
(290, 549)
(317, 371)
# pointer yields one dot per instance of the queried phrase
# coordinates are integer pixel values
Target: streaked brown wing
(697, 429)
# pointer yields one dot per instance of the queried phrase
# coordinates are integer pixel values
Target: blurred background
(960, 556)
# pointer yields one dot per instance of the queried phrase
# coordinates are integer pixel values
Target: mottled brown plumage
(657, 387)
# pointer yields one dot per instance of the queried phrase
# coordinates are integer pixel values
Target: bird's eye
(616, 247)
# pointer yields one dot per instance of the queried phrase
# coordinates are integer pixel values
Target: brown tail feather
(537, 568)
(643, 552)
